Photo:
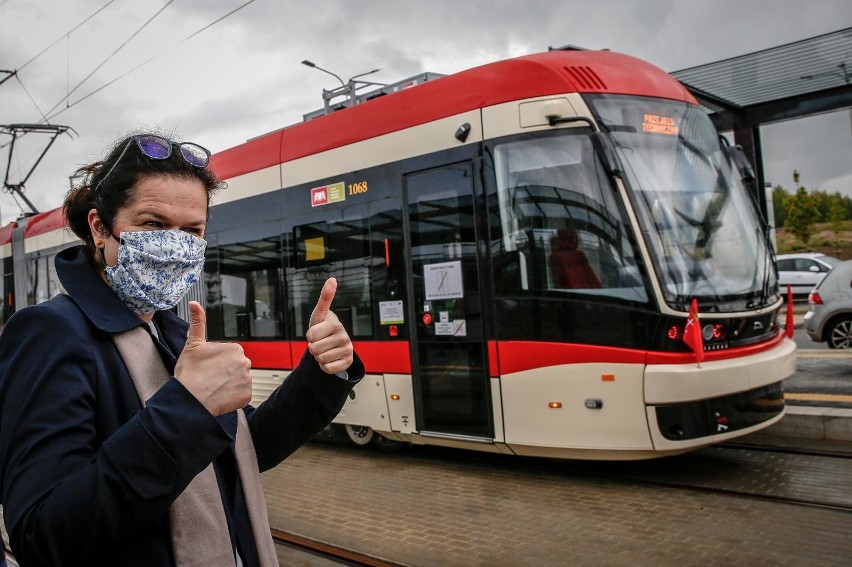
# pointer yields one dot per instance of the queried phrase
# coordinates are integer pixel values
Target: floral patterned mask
(156, 268)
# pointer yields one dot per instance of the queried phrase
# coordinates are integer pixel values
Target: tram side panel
(576, 406)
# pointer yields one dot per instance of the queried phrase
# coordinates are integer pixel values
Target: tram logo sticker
(443, 281)
(328, 194)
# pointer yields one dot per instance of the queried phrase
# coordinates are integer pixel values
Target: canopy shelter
(793, 80)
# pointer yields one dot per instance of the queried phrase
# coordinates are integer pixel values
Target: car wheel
(359, 434)
(839, 333)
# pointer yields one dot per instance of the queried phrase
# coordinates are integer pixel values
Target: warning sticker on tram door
(456, 328)
(443, 281)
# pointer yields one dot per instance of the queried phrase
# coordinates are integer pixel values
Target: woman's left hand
(328, 341)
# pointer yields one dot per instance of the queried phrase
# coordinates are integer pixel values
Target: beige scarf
(198, 524)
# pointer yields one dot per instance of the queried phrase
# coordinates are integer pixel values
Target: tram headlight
(713, 332)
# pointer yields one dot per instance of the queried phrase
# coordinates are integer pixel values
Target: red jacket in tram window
(568, 264)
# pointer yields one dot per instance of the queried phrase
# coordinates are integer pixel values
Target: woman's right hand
(217, 374)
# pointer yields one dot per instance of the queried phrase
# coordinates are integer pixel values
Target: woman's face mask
(156, 268)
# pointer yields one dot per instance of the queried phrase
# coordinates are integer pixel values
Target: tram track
(328, 551)
(777, 499)
(814, 452)
(705, 471)
(778, 474)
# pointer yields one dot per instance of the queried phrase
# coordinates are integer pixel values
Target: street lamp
(347, 88)
(315, 66)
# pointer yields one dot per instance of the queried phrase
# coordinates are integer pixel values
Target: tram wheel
(359, 434)
(388, 445)
(839, 333)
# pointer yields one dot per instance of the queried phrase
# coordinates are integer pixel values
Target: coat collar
(98, 302)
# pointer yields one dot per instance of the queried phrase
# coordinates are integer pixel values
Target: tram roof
(793, 80)
(540, 74)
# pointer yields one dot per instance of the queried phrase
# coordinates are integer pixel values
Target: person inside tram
(569, 266)
(125, 437)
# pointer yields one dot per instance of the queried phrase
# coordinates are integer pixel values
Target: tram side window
(339, 249)
(388, 270)
(43, 281)
(7, 286)
(557, 227)
(244, 290)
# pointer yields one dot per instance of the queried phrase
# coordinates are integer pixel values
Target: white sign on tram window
(456, 328)
(390, 313)
(443, 281)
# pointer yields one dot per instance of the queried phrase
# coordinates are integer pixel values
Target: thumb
(197, 332)
(324, 302)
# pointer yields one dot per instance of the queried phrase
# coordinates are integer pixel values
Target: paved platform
(421, 510)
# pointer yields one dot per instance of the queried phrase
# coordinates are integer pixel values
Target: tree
(801, 212)
(779, 205)
(836, 216)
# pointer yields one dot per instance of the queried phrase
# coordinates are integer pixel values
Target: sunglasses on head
(157, 147)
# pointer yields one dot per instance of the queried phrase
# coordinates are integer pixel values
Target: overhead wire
(68, 105)
(43, 115)
(160, 54)
(110, 56)
(16, 72)
(66, 34)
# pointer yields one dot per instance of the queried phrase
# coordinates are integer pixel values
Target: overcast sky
(242, 77)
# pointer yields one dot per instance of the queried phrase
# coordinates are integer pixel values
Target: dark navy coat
(87, 474)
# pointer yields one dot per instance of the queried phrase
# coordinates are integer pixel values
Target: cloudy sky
(190, 68)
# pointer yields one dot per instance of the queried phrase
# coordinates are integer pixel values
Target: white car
(803, 271)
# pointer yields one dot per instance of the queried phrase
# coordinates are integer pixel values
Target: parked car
(829, 317)
(803, 271)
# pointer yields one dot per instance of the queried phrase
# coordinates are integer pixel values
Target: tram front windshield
(696, 218)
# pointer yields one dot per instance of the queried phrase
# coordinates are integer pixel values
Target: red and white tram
(517, 247)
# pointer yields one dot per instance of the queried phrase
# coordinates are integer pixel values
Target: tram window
(244, 287)
(388, 270)
(7, 291)
(43, 282)
(52, 277)
(560, 227)
(338, 248)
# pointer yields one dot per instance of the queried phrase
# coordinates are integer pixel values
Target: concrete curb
(814, 423)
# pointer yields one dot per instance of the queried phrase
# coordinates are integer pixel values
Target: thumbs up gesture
(217, 374)
(328, 341)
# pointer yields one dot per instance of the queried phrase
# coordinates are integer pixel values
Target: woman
(110, 405)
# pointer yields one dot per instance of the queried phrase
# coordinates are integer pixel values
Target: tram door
(449, 363)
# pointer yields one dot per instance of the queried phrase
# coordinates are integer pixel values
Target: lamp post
(313, 65)
(347, 88)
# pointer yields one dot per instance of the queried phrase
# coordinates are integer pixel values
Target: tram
(517, 248)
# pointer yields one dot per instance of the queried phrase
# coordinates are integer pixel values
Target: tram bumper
(690, 406)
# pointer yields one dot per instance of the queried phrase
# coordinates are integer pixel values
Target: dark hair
(118, 187)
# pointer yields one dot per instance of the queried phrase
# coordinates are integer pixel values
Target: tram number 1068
(358, 188)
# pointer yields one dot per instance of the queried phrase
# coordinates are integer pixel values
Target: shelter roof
(796, 79)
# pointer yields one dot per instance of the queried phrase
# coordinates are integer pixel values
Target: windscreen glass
(562, 232)
(703, 231)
